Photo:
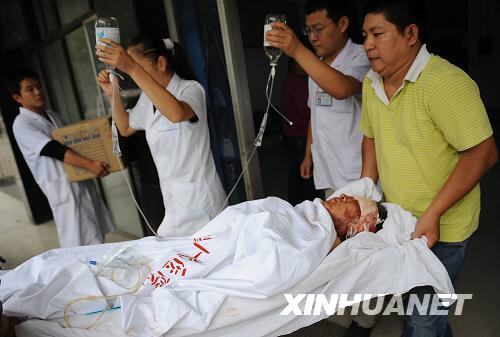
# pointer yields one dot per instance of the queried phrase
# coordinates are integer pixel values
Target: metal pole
(172, 26)
(240, 94)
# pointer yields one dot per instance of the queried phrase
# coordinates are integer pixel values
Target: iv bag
(107, 28)
(272, 52)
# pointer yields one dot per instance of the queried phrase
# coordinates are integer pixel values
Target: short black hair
(382, 215)
(335, 9)
(15, 78)
(401, 13)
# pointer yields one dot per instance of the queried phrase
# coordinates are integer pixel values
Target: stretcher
(387, 262)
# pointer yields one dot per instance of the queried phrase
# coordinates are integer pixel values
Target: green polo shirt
(419, 135)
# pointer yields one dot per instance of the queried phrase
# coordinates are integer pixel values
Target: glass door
(199, 33)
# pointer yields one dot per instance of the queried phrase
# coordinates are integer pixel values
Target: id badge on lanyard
(323, 99)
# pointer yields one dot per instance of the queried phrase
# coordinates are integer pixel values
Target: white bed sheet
(384, 263)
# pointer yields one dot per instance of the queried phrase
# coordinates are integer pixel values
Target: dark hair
(401, 13)
(382, 215)
(152, 47)
(15, 78)
(335, 9)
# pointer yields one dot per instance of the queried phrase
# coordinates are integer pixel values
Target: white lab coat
(336, 147)
(191, 189)
(80, 215)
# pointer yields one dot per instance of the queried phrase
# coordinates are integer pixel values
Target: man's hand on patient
(428, 225)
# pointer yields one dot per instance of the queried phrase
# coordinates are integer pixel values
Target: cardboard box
(91, 139)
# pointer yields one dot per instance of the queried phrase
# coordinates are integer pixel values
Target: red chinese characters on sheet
(176, 266)
(158, 279)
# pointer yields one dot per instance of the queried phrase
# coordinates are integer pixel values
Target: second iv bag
(272, 52)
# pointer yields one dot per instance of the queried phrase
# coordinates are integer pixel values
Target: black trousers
(299, 189)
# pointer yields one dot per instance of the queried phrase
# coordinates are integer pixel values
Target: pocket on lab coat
(351, 163)
(342, 105)
(57, 191)
(164, 125)
(166, 135)
(168, 129)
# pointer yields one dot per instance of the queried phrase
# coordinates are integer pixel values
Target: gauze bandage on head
(169, 45)
(366, 205)
(368, 218)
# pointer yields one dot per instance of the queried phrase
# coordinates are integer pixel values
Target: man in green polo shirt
(427, 138)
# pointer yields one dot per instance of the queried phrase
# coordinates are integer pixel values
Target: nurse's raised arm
(151, 72)
(120, 115)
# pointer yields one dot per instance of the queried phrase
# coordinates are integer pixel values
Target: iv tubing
(117, 151)
(260, 135)
(257, 141)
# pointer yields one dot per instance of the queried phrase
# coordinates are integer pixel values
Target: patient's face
(344, 210)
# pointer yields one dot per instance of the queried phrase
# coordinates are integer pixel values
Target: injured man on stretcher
(231, 276)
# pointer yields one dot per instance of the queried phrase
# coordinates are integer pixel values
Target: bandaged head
(352, 215)
(368, 217)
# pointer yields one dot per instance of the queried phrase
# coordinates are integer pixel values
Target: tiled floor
(121, 204)
(20, 239)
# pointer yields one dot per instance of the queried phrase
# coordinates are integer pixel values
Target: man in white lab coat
(80, 215)
(333, 140)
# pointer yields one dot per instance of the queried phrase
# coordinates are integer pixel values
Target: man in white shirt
(334, 141)
(80, 215)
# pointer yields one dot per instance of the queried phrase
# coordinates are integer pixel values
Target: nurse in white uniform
(172, 111)
(80, 215)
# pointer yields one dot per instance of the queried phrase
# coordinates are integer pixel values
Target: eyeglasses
(308, 31)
